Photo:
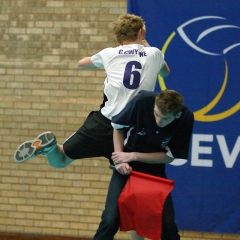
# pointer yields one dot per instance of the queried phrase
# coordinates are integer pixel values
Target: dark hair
(169, 101)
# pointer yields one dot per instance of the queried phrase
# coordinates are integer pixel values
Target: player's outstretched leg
(43, 144)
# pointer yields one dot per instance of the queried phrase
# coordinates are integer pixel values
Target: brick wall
(41, 89)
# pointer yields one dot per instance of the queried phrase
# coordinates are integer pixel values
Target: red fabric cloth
(141, 204)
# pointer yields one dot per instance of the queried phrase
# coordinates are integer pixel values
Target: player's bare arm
(86, 64)
(123, 168)
(165, 71)
(150, 158)
(118, 141)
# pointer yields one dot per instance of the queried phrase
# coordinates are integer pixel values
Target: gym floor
(11, 236)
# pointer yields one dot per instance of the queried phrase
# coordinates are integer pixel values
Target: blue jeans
(110, 222)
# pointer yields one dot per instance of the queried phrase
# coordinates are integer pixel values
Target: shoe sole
(32, 148)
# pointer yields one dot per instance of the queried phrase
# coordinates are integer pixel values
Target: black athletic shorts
(93, 139)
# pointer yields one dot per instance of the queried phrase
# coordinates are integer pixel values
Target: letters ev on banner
(201, 43)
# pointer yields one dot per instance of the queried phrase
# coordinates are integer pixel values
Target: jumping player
(130, 67)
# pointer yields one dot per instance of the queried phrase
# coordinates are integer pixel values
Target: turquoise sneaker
(42, 145)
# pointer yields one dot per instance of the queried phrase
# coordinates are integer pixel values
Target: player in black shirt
(159, 130)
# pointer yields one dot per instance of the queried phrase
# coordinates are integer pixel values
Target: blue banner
(201, 43)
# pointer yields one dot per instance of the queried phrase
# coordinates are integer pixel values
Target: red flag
(141, 204)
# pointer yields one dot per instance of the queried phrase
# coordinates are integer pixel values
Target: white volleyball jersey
(129, 69)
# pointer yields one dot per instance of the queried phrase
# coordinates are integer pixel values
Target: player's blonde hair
(126, 27)
(169, 101)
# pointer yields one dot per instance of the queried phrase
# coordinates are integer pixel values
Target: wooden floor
(11, 236)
